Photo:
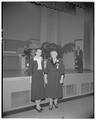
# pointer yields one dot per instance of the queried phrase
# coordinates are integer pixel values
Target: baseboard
(43, 105)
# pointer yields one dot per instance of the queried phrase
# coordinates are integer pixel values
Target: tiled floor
(76, 108)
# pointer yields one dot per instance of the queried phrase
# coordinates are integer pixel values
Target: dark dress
(54, 89)
(37, 85)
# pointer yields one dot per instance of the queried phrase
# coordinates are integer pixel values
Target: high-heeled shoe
(56, 105)
(50, 107)
(39, 110)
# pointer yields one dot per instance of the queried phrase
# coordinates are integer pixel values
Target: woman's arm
(31, 66)
(46, 70)
(62, 72)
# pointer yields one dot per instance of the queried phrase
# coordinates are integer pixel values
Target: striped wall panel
(71, 89)
(20, 98)
(23, 98)
(86, 87)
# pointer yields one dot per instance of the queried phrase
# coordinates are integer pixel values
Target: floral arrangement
(69, 47)
(27, 52)
(47, 47)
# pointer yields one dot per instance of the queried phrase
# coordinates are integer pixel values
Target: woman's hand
(45, 79)
(62, 79)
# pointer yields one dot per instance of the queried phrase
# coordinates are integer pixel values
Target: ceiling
(69, 7)
(62, 5)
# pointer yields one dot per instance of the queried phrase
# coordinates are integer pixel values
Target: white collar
(39, 60)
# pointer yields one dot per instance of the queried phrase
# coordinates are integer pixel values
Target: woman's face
(38, 52)
(53, 54)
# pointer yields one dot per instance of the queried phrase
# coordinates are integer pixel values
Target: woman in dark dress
(37, 86)
(54, 76)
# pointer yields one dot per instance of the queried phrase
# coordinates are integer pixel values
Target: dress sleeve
(43, 64)
(31, 66)
(62, 68)
(46, 69)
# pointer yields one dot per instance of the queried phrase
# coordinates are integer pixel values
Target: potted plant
(69, 47)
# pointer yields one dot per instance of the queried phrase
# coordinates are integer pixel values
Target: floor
(76, 108)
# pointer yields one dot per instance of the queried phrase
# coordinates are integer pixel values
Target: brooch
(57, 64)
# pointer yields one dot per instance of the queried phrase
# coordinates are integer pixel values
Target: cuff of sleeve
(45, 73)
(63, 74)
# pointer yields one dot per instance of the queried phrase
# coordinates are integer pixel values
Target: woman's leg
(56, 103)
(50, 103)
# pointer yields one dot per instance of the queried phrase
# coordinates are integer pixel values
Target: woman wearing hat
(54, 75)
(37, 86)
